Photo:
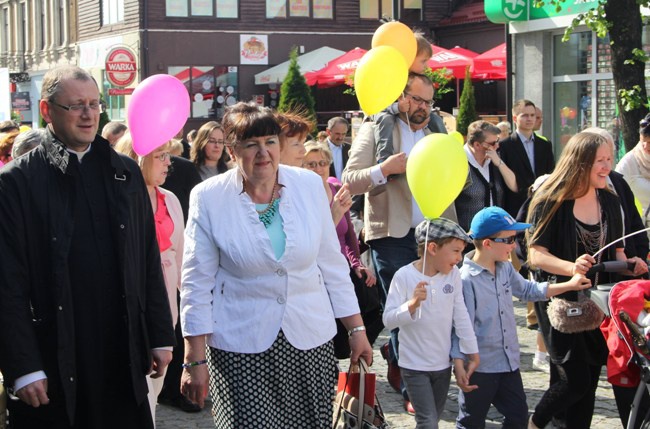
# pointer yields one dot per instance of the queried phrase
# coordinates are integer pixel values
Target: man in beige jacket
(390, 212)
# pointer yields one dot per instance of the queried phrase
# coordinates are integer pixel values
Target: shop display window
(211, 88)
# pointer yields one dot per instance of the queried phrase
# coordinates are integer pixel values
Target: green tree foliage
(467, 110)
(295, 94)
(622, 20)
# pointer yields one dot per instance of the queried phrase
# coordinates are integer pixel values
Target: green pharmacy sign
(504, 11)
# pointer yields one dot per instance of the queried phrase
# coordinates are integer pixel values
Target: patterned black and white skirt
(282, 387)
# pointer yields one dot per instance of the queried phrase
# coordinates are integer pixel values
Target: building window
(375, 9)
(112, 11)
(583, 89)
(317, 9)
(211, 88)
(209, 8)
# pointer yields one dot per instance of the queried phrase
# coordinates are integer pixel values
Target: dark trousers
(624, 397)
(569, 401)
(389, 254)
(505, 390)
(119, 412)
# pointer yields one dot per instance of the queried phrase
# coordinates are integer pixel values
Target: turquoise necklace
(266, 216)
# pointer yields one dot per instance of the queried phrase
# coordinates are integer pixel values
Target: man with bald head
(84, 314)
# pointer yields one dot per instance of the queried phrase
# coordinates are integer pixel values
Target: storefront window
(115, 105)
(211, 88)
(583, 88)
(571, 110)
(573, 56)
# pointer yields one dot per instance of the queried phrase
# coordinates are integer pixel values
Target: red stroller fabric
(628, 296)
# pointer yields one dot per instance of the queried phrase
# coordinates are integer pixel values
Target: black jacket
(37, 328)
(513, 153)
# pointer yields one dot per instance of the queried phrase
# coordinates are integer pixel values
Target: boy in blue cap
(489, 283)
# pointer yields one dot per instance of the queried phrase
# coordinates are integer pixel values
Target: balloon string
(408, 122)
(622, 238)
(424, 261)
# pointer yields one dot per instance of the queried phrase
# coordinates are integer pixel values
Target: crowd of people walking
(239, 274)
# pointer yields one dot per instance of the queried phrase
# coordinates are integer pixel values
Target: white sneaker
(541, 365)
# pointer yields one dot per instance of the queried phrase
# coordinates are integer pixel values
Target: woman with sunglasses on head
(263, 281)
(168, 217)
(635, 167)
(318, 158)
(574, 215)
(488, 175)
(208, 151)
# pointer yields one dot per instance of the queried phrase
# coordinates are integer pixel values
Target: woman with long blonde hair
(574, 215)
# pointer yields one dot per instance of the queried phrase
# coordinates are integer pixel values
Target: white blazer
(172, 258)
(233, 288)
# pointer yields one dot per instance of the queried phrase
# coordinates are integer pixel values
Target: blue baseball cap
(492, 220)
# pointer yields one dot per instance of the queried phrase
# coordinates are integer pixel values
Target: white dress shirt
(529, 146)
(337, 158)
(236, 292)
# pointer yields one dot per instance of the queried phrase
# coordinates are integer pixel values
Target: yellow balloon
(380, 78)
(400, 37)
(638, 205)
(458, 137)
(436, 171)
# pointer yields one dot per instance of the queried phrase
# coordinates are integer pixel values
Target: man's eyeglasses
(78, 108)
(492, 144)
(314, 164)
(163, 156)
(217, 142)
(504, 240)
(420, 100)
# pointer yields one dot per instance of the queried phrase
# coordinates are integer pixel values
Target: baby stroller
(628, 363)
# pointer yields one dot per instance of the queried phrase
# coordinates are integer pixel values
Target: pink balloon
(158, 109)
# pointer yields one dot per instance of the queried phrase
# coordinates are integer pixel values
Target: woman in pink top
(168, 217)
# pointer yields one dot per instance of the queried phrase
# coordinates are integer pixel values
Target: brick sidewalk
(535, 382)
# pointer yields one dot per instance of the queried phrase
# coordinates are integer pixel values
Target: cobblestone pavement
(535, 382)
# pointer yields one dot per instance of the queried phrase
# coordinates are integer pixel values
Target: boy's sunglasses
(505, 240)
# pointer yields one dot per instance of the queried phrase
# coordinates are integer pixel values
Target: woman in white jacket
(263, 280)
(168, 216)
(635, 167)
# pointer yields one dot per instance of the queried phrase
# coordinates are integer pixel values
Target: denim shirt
(494, 318)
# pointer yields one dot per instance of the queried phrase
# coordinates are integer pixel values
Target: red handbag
(353, 385)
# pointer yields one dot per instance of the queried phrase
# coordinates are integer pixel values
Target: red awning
(337, 71)
(491, 64)
(465, 52)
(452, 61)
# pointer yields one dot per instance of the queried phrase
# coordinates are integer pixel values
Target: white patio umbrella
(311, 61)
